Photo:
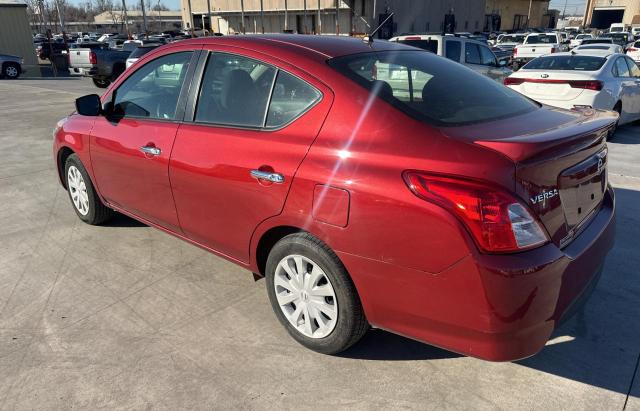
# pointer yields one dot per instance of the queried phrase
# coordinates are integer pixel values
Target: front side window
(440, 92)
(472, 54)
(453, 50)
(235, 91)
(153, 90)
(487, 57)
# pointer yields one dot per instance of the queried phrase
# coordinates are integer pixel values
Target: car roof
(317, 47)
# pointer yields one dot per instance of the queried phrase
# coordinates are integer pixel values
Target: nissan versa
(371, 184)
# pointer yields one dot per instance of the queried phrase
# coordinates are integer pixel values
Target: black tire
(618, 109)
(11, 71)
(97, 212)
(351, 323)
(101, 82)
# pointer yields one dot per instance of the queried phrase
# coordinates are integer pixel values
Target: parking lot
(125, 316)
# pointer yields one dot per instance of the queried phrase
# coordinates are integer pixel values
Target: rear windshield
(140, 51)
(511, 39)
(428, 44)
(541, 39)
(580, 63)
(432, 88)
(597, 41)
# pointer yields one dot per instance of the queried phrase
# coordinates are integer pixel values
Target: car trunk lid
(560, 161)
(555, 86)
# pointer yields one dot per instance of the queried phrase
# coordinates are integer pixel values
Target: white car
(577, 41)
(598, 48)
(599, 80)
(634, 51)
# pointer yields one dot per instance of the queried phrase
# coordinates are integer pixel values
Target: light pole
(286, 16)
(529, 13)
(262, 16)
(305, 17)
(242, 16)
(144, 18)
(319, 23)
(210, 17)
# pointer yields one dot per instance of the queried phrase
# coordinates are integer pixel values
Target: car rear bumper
(494, 307)
(80, 71)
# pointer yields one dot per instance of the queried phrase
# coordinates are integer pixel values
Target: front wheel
(11, 71)
(313, 296)
(101, 82)
(82, 194)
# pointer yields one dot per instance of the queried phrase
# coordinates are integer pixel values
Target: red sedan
(370, 184)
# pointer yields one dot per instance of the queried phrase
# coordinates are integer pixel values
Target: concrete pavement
(125, 316)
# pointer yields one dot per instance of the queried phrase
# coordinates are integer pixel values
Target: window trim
(196, 86)
(182, 96)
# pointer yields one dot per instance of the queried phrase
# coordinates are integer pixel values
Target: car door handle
(154, 151)
(265, 175)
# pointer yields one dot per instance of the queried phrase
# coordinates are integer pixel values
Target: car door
(627, 86)
(234, 161)
(131, 144)
(634, 72)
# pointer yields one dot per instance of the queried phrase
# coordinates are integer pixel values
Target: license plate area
(582, 188)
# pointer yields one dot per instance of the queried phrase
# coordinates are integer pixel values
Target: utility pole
(60, 16)
(190, 17)
(262, 16)
(144, 18)
(529, 14)
(337, 17)
(286, 15)
(319, 23)
(124, 16)
(564, 10)
(241, 15)
(210, 17)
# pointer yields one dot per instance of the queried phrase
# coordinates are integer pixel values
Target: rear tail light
(632, 49)
(497, 221)
(553, 49)
(513, 81)
(515, 51)
(92, 58)
(594, 85)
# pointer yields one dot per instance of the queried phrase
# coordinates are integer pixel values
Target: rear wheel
(618, 109)
(101, 82)
(11, 70)
(82, 194)
(313, 296)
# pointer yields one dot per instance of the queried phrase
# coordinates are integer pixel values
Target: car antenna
(369, 37)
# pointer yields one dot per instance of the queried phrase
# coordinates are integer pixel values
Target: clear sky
(573, 6)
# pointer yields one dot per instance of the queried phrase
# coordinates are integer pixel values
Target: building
(600, 14)
(156, 20)
(508, 15)
(15, 32)
(362, 16)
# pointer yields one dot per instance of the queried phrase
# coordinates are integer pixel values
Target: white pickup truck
(536, 45)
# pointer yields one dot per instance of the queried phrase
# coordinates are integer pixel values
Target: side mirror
(502, 63)
(89, 105)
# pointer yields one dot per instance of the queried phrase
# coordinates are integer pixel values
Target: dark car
(370, 183)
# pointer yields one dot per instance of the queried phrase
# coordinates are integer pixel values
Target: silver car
(11, 66)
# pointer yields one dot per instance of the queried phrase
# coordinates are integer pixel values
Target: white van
(618, 28)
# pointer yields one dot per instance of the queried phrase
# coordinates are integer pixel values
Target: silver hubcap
(78, 190)
(305, 296)
(11, 71)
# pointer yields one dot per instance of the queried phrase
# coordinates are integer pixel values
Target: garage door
(603, 17)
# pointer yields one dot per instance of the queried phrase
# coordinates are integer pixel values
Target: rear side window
(453, 49)
(621, 69)
(541, 39)
(633, 67)
(235, 90)
(431, 88)
(290, 98)
(429, 45)
(486, 56)
(575, 62)
(140, 51)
